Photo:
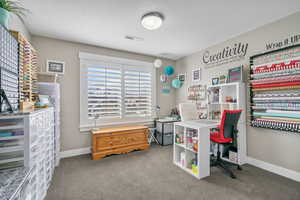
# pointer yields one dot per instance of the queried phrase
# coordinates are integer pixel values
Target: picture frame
(215, 81)
(181, 77)
(196, 75)
(222, 79)
(54, 66)
(235, 74)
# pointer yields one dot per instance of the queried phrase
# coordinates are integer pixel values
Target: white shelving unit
(217, 104)
(192, 152)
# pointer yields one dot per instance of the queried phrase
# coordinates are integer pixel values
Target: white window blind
(104, 92)
(115, 91)
(138, 93)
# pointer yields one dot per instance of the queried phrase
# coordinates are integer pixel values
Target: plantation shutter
(138, 93)
(104, 92)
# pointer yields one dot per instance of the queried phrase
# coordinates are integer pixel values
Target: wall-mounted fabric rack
(27, 69)
(275, 89)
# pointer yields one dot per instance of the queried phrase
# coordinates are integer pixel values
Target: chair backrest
(229, 122)
(188, 111)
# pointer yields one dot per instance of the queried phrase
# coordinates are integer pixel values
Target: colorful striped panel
(277, 88)
(276, 67)
(271, 85)
(276, 79)
(266, 114)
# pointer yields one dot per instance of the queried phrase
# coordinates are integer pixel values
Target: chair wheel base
(232, 176)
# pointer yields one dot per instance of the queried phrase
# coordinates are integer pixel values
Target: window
(104, 92)
(115, 91)
(138, 93)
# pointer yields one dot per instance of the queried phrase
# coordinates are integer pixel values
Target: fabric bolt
(276, 80)
(276, 88)
(277, 114)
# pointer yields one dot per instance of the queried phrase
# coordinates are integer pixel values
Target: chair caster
(232, 176)
(239, 168)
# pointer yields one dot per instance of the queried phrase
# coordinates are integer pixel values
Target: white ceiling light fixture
(152, 20)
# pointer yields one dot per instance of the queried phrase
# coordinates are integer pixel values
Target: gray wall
(47, 48)
(267, 145)
(16, 25)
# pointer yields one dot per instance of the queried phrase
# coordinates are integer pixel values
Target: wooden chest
(107, 141)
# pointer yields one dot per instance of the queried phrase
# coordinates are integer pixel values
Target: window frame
(112, 62)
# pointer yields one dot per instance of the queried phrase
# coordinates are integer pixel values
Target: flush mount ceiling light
(152, 20)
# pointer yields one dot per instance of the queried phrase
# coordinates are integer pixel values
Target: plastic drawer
(164, 139)
(164, 127)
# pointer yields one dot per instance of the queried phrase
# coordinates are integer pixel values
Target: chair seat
(215, 137)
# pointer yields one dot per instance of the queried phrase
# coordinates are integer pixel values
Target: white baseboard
(274, 169)
(75, 152)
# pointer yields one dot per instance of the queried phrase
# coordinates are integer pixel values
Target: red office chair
(225, 135)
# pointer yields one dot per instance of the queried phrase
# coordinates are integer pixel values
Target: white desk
(183, 153)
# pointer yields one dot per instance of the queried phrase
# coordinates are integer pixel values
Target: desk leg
(204, 152)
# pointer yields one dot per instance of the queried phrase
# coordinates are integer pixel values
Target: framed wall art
(235, 74)
(196, 75)
(54, 66)
(181, 77)
(215, 81)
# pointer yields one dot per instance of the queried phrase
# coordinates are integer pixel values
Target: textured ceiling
(189, 25)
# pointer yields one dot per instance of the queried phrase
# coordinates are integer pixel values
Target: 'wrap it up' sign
(229, 54)
(286, 42)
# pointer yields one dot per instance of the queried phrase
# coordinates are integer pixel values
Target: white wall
(53, 49)
(266, 145)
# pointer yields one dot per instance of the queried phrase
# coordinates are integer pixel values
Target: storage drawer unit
(164, 139)
(164, 132)
(37, 148)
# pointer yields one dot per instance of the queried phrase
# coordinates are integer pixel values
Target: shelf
(12, 137)
(180, 145)
(223, 103)
(186, 169)
(224, 85)
(11, 160)
(11, 127)
(184, 147)
(11, 149)
(191, 150)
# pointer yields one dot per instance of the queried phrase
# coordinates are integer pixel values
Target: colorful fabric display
(275, 83)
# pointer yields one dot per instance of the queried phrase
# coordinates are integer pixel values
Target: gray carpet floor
(147, 175)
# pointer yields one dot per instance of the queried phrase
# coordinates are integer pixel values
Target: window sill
(87, 128)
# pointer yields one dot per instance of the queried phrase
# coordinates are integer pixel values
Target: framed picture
(196, 75)
(54, 66)
(215, 81)
(181, 77)
(222, 79)
(235, 74)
